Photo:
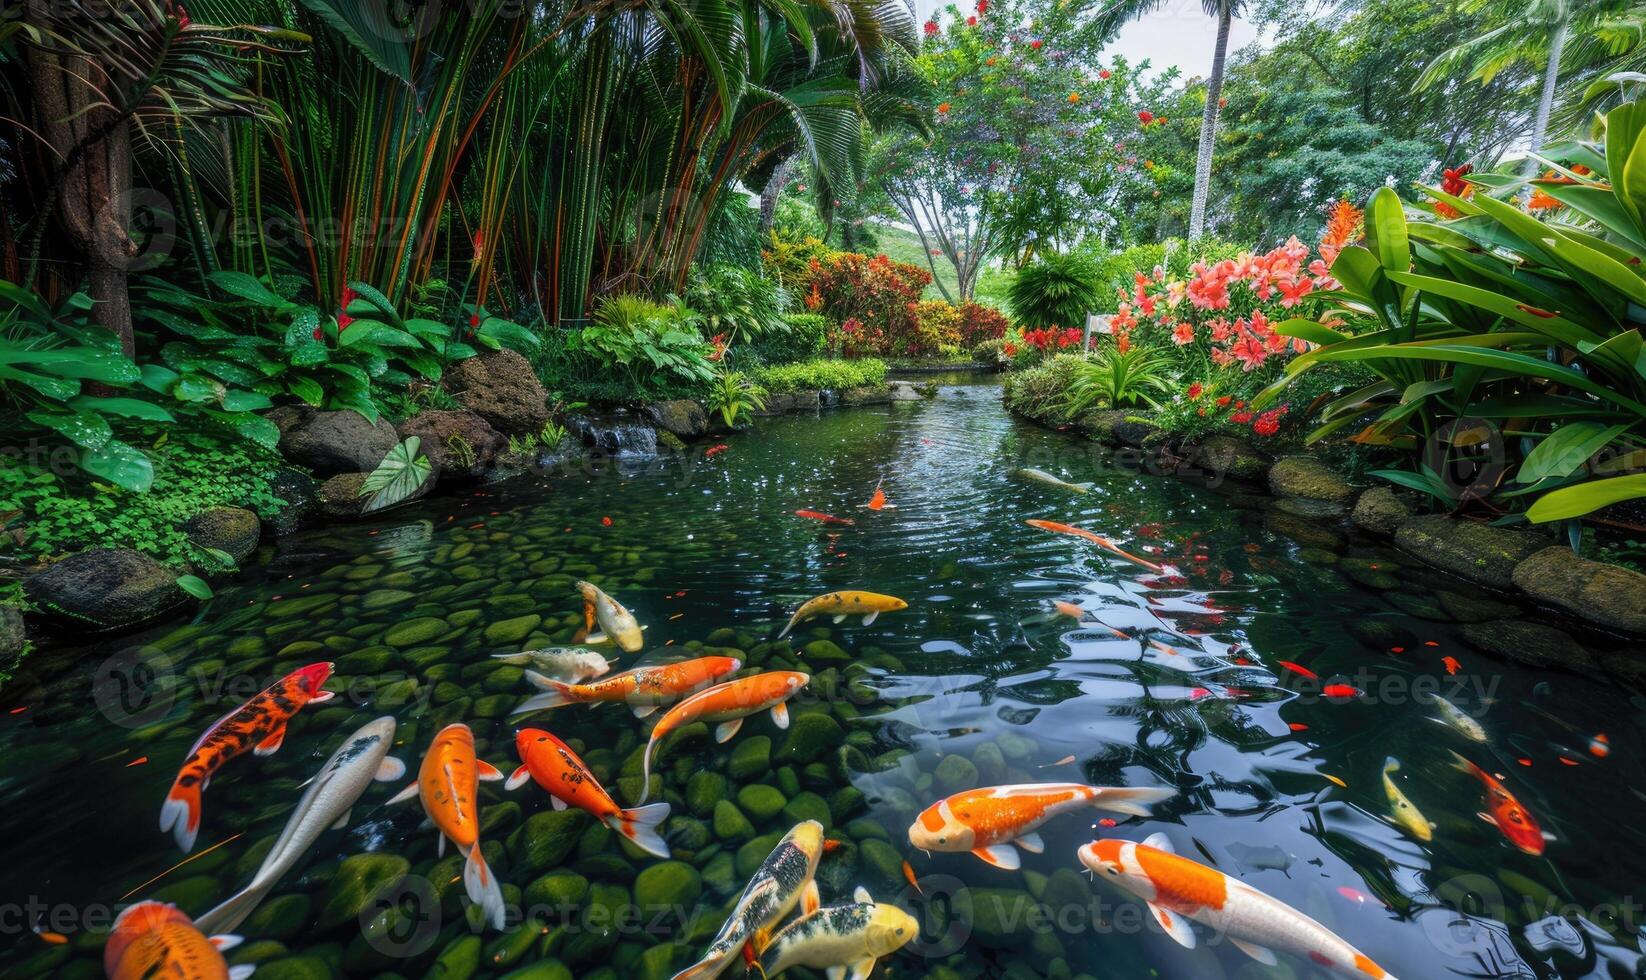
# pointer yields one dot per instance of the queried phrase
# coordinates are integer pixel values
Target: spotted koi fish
(558, 769)
(617, 624)
(154, 939)
(448, 782)
(1177, 889)
(842, 604)
(1098, 540)
(643, 689)
(258, 726)
(1405, 814)
(725, 706)
(782, 880)
(837, 938)
(1504, 812)
(990, 820)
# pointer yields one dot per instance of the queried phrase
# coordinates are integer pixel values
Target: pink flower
(1183, 333)
(1221, 330)
(1249, 351)
(1292, 293)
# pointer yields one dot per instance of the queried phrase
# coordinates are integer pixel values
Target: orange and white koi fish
(556, 768)
(642, 689)
(1504, 812)
(448, 782)
(842, 604)
(988, 821)
(1176, 889)
(817, 515)
(154, 939)
(1098, 540)
(1072, 611)
(617, 624)
(878, 500)
(725, 706)
(258, 726)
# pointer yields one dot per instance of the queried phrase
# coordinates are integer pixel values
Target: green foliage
(1114, 378)
(1056, 291)
(193, 471)
(1041, 392)
(804, 338)
(738, 303)
(401, 473)
(824, 373)
(635, 349)
(733, 395)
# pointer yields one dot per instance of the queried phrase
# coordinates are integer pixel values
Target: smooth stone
(1606, 594)
(413, 632)
(751, 757)
(760, 801)
(546, 838)
(704, 790)
(558, 890)
(730, 824)
(357, 879)
(824, 651)
(990, 763)
(670, 884)
(458, 961)
(954, 773)
(511, 631)
(809, 736)
(806, 806)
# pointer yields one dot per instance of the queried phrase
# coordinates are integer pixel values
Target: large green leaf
(1567, 449)
(119, 464)
(1549, 322)
(401, 473)
(371, 31)
(1386, 231)
(1585, 498)
(249, 288)
(1484, 357)
(131, 408)
(85, 429)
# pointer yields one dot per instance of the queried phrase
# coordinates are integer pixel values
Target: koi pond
(1280, 674)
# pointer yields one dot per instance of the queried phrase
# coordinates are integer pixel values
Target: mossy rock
(356, 880)
(990, 763)
(414, 632)
(560, 889)
(751, 854)
(1606, 594)
(295, 968)
(761, 802)
(542, 970)
(730, 825)
(806, 806)
(953, 774)
(1221, 456)
(750, 758)
(704, 790)
(458, 960)
(669, 884)
(282, 917)
(509, 632)
(1379, 511)
(1303, 476)
(1477, 552)
(823, 652)
(883, 864)
(809, 737)
(232, 530)
(546, 838)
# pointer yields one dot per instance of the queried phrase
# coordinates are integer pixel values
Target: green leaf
(195, 586)
(403, 471)
(158, 378)
(362, 332)
(1386, 231)
(235, 400)
(1569, 502)
(307, 390)
(308, 353)
(131, 408)
(1567, 449)
(258, 429)
(85, 429)
(119, 464)
(248, 288)
(376, 301)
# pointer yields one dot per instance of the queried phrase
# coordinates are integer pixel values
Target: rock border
(1525, 564)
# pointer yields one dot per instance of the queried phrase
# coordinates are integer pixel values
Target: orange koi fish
(154, 939)
(1452, 665)
(1177, 889)
(817, 515)
(988, 821)
(642, 689)
(725, 706)
(1299, 670)
(259, 726)
(1505, 812)
(715, 450)
(878, 500)
(1096, 539)
(558, 769)
(448, 782)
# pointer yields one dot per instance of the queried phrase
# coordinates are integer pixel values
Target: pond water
(980, 680)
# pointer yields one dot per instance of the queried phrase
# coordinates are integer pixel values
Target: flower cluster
(1045, 339)
(1264, 424)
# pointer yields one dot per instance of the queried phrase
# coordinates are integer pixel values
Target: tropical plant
(823, 374)
(1056, 291)
(870, 299)
(804, 336)
(645, 345)
(733, 395)
(1500, 319)
(1116, 378)
(400, 475)
(738, 303)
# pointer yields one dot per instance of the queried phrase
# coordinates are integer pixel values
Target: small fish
(781, 881)
(909, 876)
(556, 768)
(1098, 540)
(1300, 670)
(258, 726)
(1453, 717)
(835, 938)
(1505, 812)
(842, 604)
(1452, 666)
(1335, 780)
(569, 664)
(725, 706)
(715, 450)
(990, 820)
(1177, 889)
(642, 689)
(1600, 746)
(153, 939)
(1405, 814)
(361, 759)
(1340, 691)
(817, 515)
(1041, 476)
(877, 501)
(617, 623)
(1072, 611)
(448, 782)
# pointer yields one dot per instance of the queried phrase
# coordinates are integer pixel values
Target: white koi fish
(782, 880)
(568, 664)
(1454, 718)
(617, 624)
(1041, 476)
(1177, 889)
(362, 758)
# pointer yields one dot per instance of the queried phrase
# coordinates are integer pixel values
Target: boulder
(1477, 552)
(1379, 511)
(335, 442)
(339, 497)
(1134, 430)
(501, 387)
(852, 397)
(297, 489)
(1100, 424)
(1529, 643)
(105, 588)
(680, 417)
(1601, 593)
(460, 444)
(1222, 456)
(1301, 476)
(12, 635)
(232, 530)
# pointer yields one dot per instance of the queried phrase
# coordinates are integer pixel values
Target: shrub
(736, 303)
(805, 337)
(1040, 392)
(1116, 378)
(732, 395)
(635, 349)
(979, 323)
(832, 374)
(788, 258)
(875, 296)
(937, 326)
(1057, 291)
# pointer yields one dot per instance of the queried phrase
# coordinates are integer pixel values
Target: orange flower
(942, 108)
(990, 60)
(1342, 229)
(1074, 97)
(1543, 202)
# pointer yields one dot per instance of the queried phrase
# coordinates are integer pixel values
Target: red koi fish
(817, 515)
(1098, 540)
(1505, 812)
(878, 500)
(1300, 670)
(554, 766)
(715, 450)
(259, 725)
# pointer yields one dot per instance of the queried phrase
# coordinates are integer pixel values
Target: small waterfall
(615, 433)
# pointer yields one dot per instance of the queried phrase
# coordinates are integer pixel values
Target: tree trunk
(1208, 124)
(95, 197)
(1551, 75)
(769, 194)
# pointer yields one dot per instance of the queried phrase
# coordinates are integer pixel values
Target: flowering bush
(979, 323)
(874, 300)
(936, 331)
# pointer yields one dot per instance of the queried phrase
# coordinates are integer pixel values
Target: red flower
(1241, 418)
(1268, 423)
(605, 522)
(1145, 117)
(971, 21)
(343, 319)
(982, 7)
(1103, 74)
(1224, 401)
(1452, 182)
(1183, 333)
(1195, 389)
(1036, 43)
(182, 17)
(479, 244)
(931, 28)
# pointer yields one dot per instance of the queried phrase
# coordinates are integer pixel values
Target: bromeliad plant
(733, 395)
(1527, 321)
(1114, 377)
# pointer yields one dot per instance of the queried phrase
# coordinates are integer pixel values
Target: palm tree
(1531, 32)
(1118, 13)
